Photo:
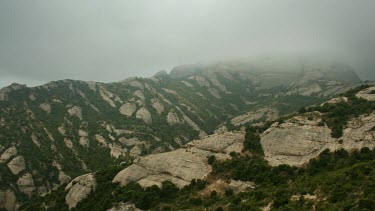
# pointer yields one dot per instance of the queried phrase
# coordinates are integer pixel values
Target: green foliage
(211, 159)
(252, 141)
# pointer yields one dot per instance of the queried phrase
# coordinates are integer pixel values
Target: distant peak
(161, 73)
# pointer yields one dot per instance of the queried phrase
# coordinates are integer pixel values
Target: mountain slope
(55, 132)
(234, 171)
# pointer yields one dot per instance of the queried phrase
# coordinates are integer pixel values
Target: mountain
(52, 133)
(295, 163)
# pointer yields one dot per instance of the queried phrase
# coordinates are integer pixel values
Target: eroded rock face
(127, 109)
(299, 139)
(157, 106)
(26, 184)
(17, 164)
(182, 165)
(144, 115)
(79, 189)
(8, 200)
(10, 152)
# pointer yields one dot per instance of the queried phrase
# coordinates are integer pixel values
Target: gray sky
(106, 41)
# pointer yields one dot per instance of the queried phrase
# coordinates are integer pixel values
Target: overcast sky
(106, 41)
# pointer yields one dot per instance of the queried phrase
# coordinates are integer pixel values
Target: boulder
(26, 184)
(8, 200)
(79, 189)
(127, 109)
(144, 115)
(17, 164)
(10, 152)
(45, 107)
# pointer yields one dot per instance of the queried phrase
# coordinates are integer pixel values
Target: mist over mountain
(42, 41)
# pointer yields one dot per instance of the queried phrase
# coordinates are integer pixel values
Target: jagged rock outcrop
(79, 189)
(182, 165)
(8, 200)
(10, 152)
(144, 115)
(128, 109)
(17, 164)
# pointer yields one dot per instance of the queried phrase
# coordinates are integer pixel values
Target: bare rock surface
(10, 152)
(182, 165)
(17, 164)
(368, 94)
(8, 200)
(79, 189)
(26, 184)
(128, 109)
(45, 107)
(157, 106)
(299, 139)
(268, 113)
(75, 111)
(144, 115)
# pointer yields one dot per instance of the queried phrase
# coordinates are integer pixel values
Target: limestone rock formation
(8, 200)
(299, 139)
(157, 106)
(79, 189)
(26, 184)
(45, 107)
(10, 152)
(75, 111)
(182, 165)
(127, 109)
(144, 115)
(17, 164)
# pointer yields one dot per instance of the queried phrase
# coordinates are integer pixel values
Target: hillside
(55, 132)
(238, 170)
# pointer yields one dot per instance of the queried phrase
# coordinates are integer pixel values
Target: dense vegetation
(334, 181)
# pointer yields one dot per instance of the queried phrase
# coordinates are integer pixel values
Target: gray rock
(127, 109)
(8, 200)
(17, 164)
(79, 189)
(182, 165)
(26, 184)
(10, 152)
(144, 115)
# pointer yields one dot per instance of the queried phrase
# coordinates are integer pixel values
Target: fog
(107, 41)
